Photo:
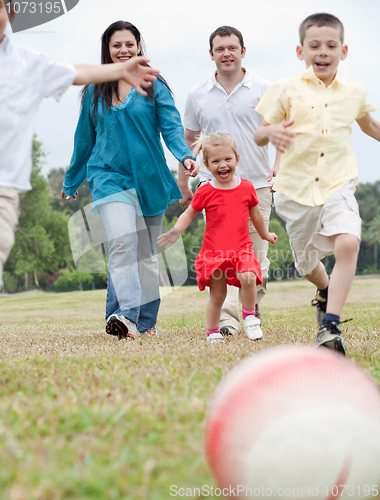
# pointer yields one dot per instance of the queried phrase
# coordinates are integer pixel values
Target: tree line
(42, 257)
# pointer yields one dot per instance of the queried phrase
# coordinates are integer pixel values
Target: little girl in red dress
(226, 256)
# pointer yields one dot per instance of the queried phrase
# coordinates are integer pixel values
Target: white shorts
(310, 228)
(9, 213)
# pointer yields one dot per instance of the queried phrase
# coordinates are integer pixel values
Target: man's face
(227, 53)
(322, 49)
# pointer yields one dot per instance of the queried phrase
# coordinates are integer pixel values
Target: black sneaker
(330, 336)
(320, 303)
(258, 314)
(225, 331)
(121, 326)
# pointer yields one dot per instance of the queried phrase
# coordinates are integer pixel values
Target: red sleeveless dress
(226, 243)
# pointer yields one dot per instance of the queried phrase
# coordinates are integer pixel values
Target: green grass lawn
(86, 416)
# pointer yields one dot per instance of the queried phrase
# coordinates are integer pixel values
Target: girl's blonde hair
(218, 139)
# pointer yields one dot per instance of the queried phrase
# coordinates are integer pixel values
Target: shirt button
(326, 105)
(322, 155)
(316, 179)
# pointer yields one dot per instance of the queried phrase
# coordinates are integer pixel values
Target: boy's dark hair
(226, 31)
(320, 19)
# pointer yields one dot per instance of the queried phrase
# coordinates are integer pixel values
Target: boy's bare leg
(248, 289)
(346, 250)
(319, 277)
(218, 291)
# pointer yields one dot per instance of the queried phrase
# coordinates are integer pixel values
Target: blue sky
(176, 36)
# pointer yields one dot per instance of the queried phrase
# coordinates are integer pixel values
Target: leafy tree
(368, 197)
(371, 235)
(55, 181)
(192, 241)
(73, 280)
(42, 242)
(280, 254)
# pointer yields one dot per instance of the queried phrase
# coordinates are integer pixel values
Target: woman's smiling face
(123, 46)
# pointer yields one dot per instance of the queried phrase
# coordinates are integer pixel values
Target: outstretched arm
(131, 71)
(278, 135)
(258, 221)
(175, 232)
(370, 126)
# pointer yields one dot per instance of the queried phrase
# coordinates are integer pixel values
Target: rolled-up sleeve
(189, 117)
(366, 107)
(271, 105)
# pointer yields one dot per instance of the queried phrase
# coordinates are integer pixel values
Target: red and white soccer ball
(295, 422)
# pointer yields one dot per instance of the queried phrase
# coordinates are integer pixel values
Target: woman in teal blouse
(117, 147)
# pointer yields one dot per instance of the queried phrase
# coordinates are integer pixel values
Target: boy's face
(4, 9)
(227, 53)
(322, 49)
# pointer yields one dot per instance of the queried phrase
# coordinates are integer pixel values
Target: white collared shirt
(210, 109)
(26, 77)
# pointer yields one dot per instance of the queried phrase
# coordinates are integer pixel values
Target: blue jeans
(133, 281)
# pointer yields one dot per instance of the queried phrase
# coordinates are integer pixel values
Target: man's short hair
(226, 31)
(320, 19)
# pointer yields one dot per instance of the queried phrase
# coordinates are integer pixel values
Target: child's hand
(280, 137)
(272, 238)
(169, 238)
(138, 75)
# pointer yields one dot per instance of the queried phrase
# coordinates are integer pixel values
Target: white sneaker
(251, 326)
(215, 338)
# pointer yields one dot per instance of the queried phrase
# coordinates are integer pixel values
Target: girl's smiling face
(222, 162)
(123, 46)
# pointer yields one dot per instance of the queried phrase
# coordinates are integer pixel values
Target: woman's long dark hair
(106, 91)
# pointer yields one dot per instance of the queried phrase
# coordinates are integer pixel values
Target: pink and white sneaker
(252, 329)
(151, 332)
(215, 338)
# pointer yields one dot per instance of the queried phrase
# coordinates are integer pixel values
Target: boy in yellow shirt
(308, 119)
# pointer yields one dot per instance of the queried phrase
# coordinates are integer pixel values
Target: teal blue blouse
(122, 151)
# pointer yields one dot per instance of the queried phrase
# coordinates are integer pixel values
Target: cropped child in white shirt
(26, 77)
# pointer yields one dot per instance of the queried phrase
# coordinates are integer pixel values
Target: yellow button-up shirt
(321, 158)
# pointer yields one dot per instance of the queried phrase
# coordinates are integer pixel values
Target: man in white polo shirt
(226, 102)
